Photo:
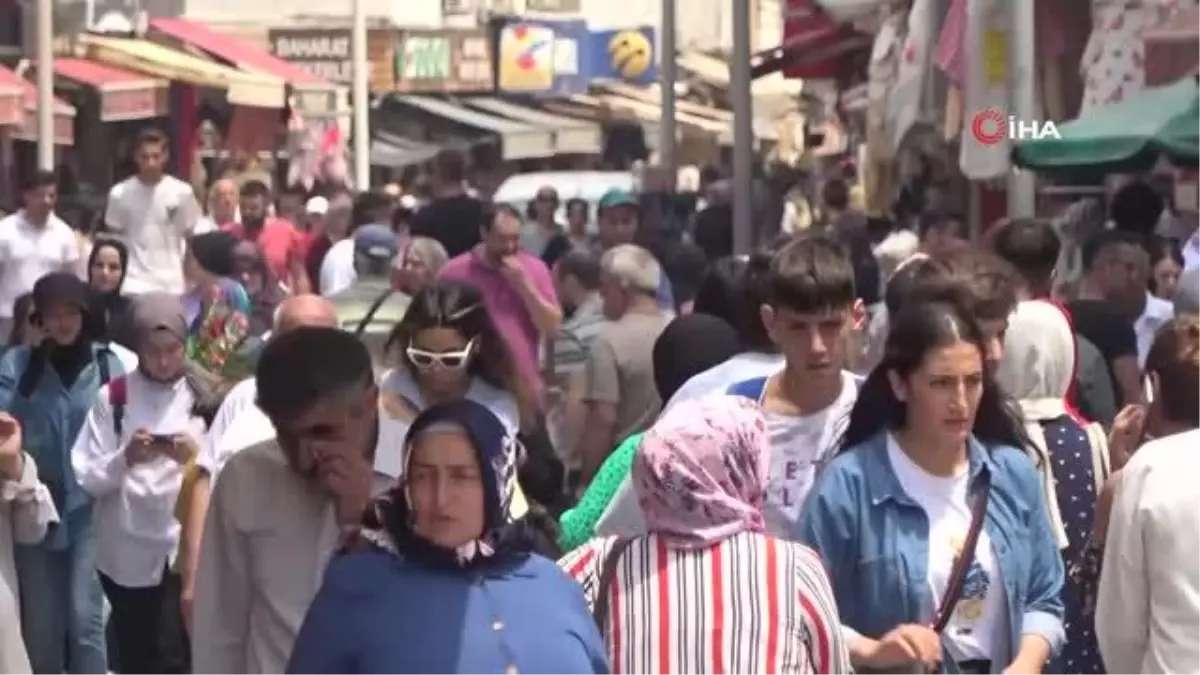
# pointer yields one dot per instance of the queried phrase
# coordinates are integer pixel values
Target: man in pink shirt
(517, 287)
(282, 246)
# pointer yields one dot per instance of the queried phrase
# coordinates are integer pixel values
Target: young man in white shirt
(33, 243)
(220, 446)
(283, 505)
(153, 213)
(130, 457)
(1148, 601)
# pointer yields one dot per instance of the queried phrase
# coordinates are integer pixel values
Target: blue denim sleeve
(827, 526)
(1043, 611)
(327, 642)
(12, 365)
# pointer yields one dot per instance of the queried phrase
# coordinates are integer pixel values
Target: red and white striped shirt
(750, 604)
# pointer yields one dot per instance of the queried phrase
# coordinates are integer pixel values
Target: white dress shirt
(1148, 604)
(268, 537)
(26, 510)
(137, 534)
(1155, 314)
(214, 453)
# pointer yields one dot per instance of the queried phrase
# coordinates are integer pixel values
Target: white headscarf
(1037, 370)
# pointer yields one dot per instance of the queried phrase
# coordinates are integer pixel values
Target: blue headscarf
(388, 524)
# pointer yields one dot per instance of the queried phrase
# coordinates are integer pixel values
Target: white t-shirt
(978, 629)
(502, 404)
(337, 269)
(1155, 314)
(28, 252)
(154, 221)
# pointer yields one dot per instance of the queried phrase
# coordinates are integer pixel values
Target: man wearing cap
(48, 390)
(282, 246)
(370, 307)
(142, 431)
(314, 215)
(619, 217)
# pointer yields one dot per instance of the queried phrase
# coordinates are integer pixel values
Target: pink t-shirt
(280, 242)
(512, 319)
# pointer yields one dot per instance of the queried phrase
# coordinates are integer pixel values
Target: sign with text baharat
(438, 61)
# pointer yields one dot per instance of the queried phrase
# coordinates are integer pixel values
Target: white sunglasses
(447, 360)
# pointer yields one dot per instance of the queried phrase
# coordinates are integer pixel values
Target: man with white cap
(313, 221)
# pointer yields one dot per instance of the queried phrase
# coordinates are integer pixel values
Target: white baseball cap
(317, 205)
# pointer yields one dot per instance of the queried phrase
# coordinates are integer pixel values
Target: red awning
(124, 95)
(12, 90)
(236, 52)
(64, 115)
(814, 45)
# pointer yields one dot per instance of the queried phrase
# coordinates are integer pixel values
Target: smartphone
(162, 439)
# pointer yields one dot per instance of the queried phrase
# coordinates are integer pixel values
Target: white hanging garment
(985, 146)
(912, 68)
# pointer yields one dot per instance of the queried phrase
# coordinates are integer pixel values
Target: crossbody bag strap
(608, 573)
(371, 312)
(980, 490)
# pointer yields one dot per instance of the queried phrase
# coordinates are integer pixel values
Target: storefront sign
(434, 61)
(325, 52)
(542, 57)
(134, 103)
(553, 6)
(628, 55)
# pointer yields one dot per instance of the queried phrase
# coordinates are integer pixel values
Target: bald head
(304, 310)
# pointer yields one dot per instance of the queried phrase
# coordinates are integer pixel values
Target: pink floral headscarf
(701, 471)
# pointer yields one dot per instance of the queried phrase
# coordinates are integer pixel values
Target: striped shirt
(750, 604)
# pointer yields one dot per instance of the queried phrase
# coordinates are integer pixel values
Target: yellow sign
(631, 53)
(526, 58)
(995, 57)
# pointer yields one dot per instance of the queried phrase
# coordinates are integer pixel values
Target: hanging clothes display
(1113, 64)
(984, 149)
(877, 170)
(907, 95)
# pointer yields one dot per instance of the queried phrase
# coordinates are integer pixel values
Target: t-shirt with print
(800, 446)
(978, 628)
(29, 252)
(153, 220)
(620, 370)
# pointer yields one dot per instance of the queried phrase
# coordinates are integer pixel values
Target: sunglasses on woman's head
(448, 360)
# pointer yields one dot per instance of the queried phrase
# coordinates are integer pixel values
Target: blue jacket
(875, 541)
(376, 613)
(51, 418)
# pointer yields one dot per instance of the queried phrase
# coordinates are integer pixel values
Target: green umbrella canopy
(1124, 137)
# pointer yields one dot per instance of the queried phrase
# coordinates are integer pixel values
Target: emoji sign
(631, 54)
(526, 58)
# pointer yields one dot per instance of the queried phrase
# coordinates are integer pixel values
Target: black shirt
(453, 221)
(1106, 328)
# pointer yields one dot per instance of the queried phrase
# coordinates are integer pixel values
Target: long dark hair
(459, 307)
(917, 330)
(22, 307)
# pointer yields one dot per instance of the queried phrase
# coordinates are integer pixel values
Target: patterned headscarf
(388, 524)
(701, 471)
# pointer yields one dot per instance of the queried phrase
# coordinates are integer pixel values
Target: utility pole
(744, 230)
(1022, 62)
(361, 95)
(45, 84)
(668, 72)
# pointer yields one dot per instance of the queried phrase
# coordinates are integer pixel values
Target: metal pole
(45, 84)
(361, 95)
(744, 235)
(667, 69)
(1022, 62)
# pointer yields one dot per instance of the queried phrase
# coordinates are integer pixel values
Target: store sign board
(436, 61)
(325, 52)
(542, 57)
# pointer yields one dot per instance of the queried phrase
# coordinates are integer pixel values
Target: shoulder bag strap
(608, 573)
(980, 490)
(371, 312)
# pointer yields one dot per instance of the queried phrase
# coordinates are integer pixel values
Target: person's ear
(898, 385)
(858, 315)
(766, 314)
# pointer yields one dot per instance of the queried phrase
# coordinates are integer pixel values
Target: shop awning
(518, 140)
(646, 108)
(12, 90)
(571, 136)
(397, 152)
(815, 46)
(716, 72)
(124, 95)
(143, 56)
(64, 117)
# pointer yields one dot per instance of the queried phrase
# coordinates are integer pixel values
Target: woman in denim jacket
(889, 514)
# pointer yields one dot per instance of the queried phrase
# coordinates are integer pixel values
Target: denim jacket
(874, 539)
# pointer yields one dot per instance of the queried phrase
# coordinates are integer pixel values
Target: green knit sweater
(578, 525)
